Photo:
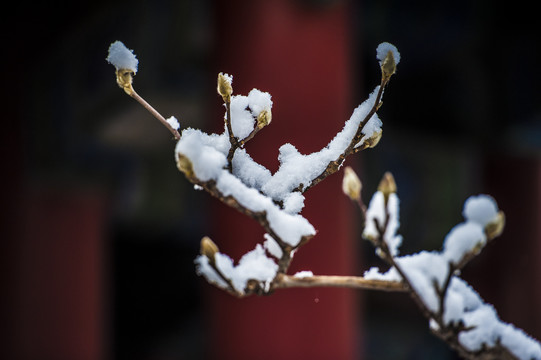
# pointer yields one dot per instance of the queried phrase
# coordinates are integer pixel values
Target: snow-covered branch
(456, 313)
(220, 165)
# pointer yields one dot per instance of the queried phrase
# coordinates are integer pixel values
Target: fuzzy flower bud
(264, 118)
(387, 185)
(374, 139)
(351, 185)
(185, 165)
(388, 57)
(495, 227)
(225, 89)
(209, 248)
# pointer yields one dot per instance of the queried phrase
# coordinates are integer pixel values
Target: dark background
(461, 117)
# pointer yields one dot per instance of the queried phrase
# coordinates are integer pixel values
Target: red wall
(301, 56)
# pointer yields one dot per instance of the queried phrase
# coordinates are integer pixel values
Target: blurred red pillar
(300, 54)
(58, 312)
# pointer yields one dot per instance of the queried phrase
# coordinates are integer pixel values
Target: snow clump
(121, 57)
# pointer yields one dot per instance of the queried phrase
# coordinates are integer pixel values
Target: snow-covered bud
(351, 185)
(225, 89)
(125, 63)
(387, 185)
(209, 249)
(388, 66)
(185, 165)
(374, 139)
(388, 57)
(495, 227)
(264, 118)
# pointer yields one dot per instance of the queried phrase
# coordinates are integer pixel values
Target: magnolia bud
(208, 248)
(224, 86)
(374, 139)
(351, 185)
(185, 165)
(124, 79)
(387, 185)
(495, 227)
(264, 118)
(388, 65)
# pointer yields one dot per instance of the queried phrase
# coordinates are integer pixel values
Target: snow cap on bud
(264, 118)
(209, 248)
(351, 185)
(495, 227)
(388, 57)
(225, 89)
(121, 57)
(125, 63)
(387, 185)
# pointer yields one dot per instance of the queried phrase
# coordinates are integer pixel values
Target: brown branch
(233, 141)
(442, 293)
(250, 136)
(230, 288)
(389, 258)
(154, 113)
(283, 281)
(260, 217)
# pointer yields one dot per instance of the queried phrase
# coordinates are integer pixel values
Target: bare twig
(233, 141)
(154, 113)
(286, 281)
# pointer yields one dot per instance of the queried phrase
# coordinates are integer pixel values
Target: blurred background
(99, 230)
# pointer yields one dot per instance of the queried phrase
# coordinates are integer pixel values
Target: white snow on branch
(296, 169)
(370, 128)
(462, 239)
(391, 237)
(374, 274)
(272, 246)
(254, 265)
(121, 57)
(464, 305)
(303, 274)
(294, 202)
(289, 227)
(245, 109)
(423, 270)
(251, 184)
(375, 216)
(428, 272)
(250, 172)
(205, 152)
(173, 122)
(377, 213)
